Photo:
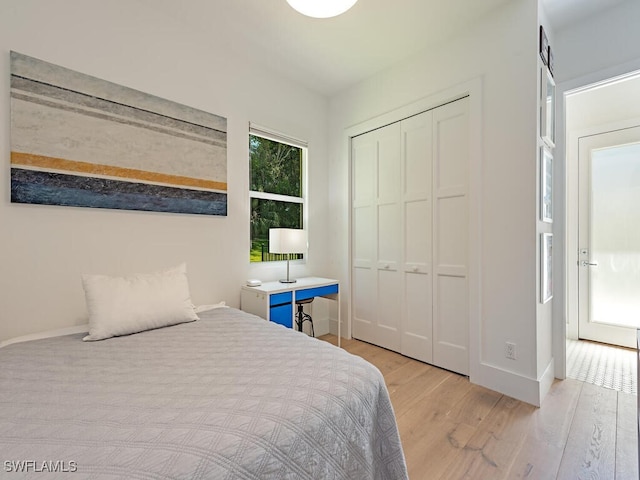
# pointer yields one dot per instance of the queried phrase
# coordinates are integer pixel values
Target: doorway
(609, 237)
(601, 121)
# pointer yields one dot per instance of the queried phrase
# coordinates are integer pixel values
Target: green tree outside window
(276, 191)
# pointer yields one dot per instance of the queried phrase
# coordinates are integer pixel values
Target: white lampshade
(287, 240)
(321, 8)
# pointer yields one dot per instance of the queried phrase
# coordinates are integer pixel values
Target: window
(276, 188)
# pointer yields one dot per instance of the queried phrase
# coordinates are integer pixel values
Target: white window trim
(270, 134)
(278, 197)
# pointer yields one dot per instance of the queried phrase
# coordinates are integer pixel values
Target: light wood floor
(452, 429)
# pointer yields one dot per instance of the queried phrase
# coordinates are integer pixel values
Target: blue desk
(275, 301)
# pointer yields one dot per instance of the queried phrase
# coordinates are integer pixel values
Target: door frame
(473, 90)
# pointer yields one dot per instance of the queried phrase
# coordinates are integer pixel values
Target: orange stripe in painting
(62, 165)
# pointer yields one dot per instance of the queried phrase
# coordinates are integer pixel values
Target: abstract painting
(80, 141)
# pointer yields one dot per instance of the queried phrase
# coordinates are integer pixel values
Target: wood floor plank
(386, 360)
(404, 374)
(438, 403)
(408, 390)
(627, 437)
(542, 450)
(490, 452)
(590, 449)
(438, 427)
(473, 408)
(430, 451)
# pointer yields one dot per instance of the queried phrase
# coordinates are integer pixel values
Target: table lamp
(287, 240)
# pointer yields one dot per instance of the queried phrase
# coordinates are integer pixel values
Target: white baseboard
(546, 380)
(520, 387)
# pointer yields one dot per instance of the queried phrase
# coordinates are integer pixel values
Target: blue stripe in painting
(45, 188)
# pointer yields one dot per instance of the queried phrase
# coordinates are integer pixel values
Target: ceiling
(329, 55)
(563, 13)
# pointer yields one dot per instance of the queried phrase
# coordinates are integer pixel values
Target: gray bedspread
(230, 396)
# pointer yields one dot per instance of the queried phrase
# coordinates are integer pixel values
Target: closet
(409, 236)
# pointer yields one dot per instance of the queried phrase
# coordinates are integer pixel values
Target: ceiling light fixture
(321, 8)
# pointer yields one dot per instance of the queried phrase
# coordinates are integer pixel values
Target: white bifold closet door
(377, 243)
(410, 236)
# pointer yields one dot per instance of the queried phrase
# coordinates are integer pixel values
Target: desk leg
(339, 324)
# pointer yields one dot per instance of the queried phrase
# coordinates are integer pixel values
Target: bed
(229, 396)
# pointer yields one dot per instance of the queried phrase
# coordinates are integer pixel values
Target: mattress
(229, 396)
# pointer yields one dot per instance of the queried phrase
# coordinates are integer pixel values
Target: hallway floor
(603, 365)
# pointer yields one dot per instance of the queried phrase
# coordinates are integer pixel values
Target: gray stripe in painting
(104, 116)
(109, 108)
(49, 73)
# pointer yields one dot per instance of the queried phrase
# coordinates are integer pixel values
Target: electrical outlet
(510, 350)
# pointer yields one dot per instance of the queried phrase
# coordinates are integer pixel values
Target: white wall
(600, 47)
(544, 330)
(500, 52)
(44, 249)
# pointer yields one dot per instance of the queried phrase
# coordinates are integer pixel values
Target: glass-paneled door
(609, 237)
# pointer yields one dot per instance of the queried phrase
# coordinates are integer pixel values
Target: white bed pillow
(124, 305)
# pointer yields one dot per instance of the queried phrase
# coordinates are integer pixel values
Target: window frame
(275, 136)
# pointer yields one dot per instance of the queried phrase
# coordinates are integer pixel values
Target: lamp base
(288, 280)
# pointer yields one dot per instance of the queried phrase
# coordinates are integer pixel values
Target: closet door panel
(417, 339)
(389, 236)
(451, 331)
(388, 161)
(376, 237)
(452, 232)
(364, 306)
(364, 232)
(389, 305)
(418, 233)
(364, 165)
(453, 148)
(417, 156)
(417, 166)
(451, 219)
(364, 227)
(364, 224)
